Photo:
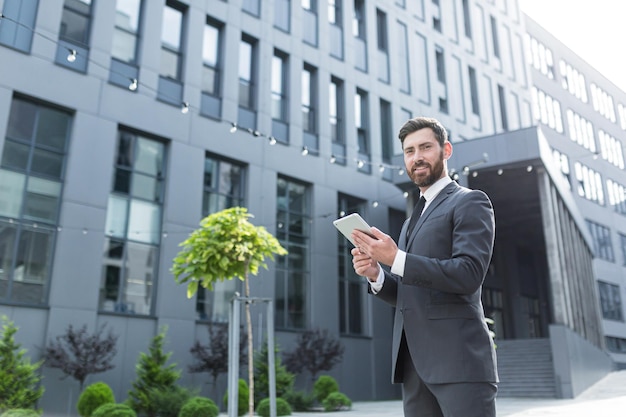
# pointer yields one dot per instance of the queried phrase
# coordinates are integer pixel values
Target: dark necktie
(417, 212)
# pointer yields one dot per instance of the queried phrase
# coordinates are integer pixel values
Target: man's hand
(382, 249)
(364, 265)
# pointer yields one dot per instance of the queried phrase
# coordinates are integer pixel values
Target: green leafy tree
(79, 354)
(19, 380)
(226, 246)
(152, 373)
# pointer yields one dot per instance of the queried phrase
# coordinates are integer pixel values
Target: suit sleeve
(460, 264)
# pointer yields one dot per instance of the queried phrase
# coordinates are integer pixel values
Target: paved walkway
(607, 398)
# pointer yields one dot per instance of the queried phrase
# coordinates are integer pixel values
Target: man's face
(424, 157)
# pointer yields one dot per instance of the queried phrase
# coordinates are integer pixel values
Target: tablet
(350, 222)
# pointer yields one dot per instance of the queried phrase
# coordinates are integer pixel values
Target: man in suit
(442, 351)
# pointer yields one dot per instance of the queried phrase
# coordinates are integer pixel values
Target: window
(573, 81)
(293, 223)
(589, 183)
(404, 63)
(610, 301)
(615, 344)
(611, 149)
(211, 57)
(336, 110)
(31, 180)
(361, 117)
(309, 99)
(171, 37)
(474, 90)
(622, 241)
(386, 131)
(360, 38)
(617, 196)
(133, 225)
(352, 294)
(547, 110)
(441, 77)
(309, 30)
(602, 102)
(622, 115)
(126, 32)
(279, 86)
(602, 244)
(252, 7)
(383, 46)
(540, 57)
(467, 19)
(335, 19)
(73, 46)
(494, 37)
(19, 17)
(561, 161)
(503, 111)
(282, 15)
(580, 131)
(246, 73)
(224, 187)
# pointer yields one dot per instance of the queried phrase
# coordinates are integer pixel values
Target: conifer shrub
(242, 398)
(199, 407)
(282, 407)
(93, 397)
(21, 412)
(299, 400)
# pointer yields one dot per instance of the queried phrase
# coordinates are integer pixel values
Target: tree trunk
(250, 349)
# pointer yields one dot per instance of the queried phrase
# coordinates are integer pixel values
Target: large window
(474, 90)
(279, 86)
(293, 230)
(404, 63)
(361, 119)
(547, 110)
(31, 179)
(589, 183)
(580, 130)
(617, 196)
(211, 69)
(73, 46)
(309, 99)
(15, 27)
(352, 294)
(336, 110)
(360, 36)
(610, 301)
(247, 65)
(611, 149)
(383, 46)
(224, 187)
(309, 30)
(133, 225)
(171, 39)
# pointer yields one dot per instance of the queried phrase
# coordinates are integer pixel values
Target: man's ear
(447, 150)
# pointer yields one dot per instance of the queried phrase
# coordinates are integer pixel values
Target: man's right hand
(364, 265)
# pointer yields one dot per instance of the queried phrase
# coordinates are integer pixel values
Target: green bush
(283, 378)
(93, 397)
(282, 407)
(199, 407)
(242, 398)
(324, 385)
(299, 400)
(114, 410)
(169, 400)
(21, 412)
(336, 401)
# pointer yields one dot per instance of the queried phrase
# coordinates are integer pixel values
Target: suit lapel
(432, 207)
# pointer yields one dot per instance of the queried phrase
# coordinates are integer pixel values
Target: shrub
(299, 400)
(114, 410)
(336, 401)
(242, 398)
(21, 412)
(93, 397)
(282, 407)
(324, 385)
(168, 401)
(199, 407)
(283, 378)
(19, 379)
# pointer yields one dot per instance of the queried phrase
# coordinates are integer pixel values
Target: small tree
(284, 379)
(79, 354)
(213, 357)
(19, 381)
(152, 373)
(316, 351)
(226, 246)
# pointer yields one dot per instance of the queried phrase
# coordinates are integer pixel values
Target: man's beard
(436, 172)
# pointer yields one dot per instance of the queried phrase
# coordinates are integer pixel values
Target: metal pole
(270, 356)
(233, 358)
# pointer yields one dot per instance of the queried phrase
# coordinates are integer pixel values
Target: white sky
(594, 29)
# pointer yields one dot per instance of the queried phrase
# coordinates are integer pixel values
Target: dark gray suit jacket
(437, 300)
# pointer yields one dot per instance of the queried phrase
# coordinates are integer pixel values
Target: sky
(594, 29)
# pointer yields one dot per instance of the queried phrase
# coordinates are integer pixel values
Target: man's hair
(418, 123)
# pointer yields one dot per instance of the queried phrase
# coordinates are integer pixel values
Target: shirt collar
(436, 188)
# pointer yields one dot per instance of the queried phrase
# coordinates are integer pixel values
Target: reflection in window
(31, 180)
(126, 32)
(610, 301)
(224, 187)
(279, 86)
(293, 230)
(133, 225)
(75, 22)
(171, 38)
(246, 73)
